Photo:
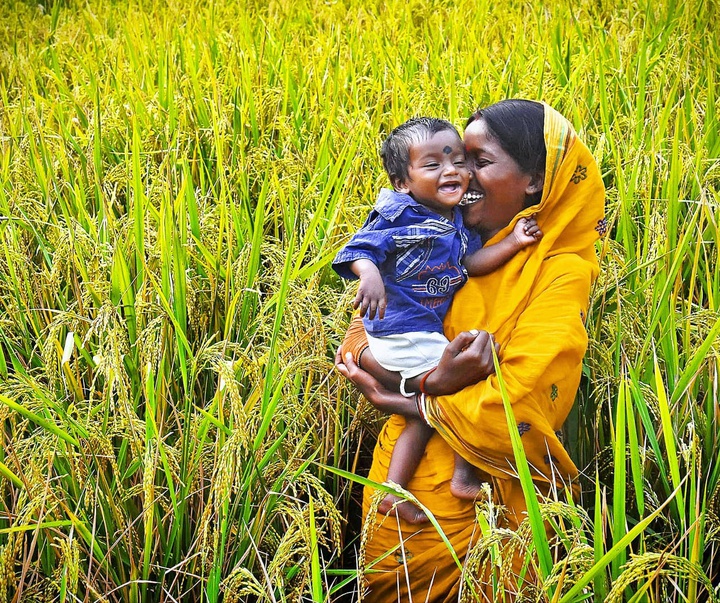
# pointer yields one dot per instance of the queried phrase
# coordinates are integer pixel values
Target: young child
(414, 252)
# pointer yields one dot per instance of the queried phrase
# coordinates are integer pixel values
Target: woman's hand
(376, 393)
(467, 359)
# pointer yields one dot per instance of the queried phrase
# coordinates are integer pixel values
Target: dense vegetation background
(175, 177)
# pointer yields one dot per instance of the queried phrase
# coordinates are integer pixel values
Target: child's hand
(527, 232)
(370, 297)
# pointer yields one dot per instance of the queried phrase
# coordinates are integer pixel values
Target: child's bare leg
(405, 459)
(465, 483)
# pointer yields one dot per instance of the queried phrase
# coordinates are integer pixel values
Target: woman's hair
(518, 127)
(395, 151)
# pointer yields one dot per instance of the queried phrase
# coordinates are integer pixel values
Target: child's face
(437, 175)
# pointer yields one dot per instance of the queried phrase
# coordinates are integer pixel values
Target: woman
(525, 159)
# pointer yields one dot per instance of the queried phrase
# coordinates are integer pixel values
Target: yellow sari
(535, 306)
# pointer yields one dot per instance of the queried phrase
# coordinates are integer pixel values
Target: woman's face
(498, 183)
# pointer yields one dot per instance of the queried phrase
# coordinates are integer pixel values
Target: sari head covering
(535, 305)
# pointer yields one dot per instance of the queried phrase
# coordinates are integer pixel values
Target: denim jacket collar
(390, 204)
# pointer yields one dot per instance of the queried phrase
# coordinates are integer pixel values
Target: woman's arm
(377, 394)
(466, 360)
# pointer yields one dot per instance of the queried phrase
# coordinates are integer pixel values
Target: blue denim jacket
(418, 253)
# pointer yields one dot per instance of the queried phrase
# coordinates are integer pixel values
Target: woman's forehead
(477, 138)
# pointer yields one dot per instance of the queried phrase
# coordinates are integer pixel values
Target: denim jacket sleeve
(374, 242)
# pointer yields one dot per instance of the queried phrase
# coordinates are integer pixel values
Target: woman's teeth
(471, 197)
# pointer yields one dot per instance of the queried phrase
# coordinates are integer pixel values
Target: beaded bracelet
(422, 381)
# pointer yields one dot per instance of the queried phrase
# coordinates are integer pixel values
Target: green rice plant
(523, 469)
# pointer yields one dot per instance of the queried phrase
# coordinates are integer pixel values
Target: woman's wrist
(426, 385)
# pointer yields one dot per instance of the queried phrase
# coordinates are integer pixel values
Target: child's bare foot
(405, 510)
(465, 490)
(465, 483)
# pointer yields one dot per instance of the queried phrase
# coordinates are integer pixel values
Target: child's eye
(460, 162)
(431, 165)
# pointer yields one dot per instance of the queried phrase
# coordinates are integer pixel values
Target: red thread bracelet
(422, 381)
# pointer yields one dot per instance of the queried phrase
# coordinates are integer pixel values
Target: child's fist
(370, 297)
(527, 232)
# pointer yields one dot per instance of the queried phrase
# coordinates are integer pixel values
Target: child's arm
(487, 259)
(371, 292)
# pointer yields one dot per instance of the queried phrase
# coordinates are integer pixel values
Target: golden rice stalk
(68, 568)
(659, 571)
(242, 584)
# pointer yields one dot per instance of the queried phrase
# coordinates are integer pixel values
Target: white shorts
(409, 354)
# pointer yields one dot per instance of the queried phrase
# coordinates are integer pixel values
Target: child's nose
(450, 167)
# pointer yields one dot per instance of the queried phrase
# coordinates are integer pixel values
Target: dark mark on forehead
(447, 150)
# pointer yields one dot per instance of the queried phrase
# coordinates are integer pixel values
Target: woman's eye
(480, 163)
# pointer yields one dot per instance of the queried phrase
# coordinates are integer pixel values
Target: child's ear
(400, 186)
(536, 183)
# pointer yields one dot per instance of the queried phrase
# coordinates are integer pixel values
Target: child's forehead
(443, 142)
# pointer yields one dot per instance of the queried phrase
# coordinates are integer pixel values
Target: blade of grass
(537, 524)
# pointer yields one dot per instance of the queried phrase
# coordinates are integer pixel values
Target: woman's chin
(472, 214)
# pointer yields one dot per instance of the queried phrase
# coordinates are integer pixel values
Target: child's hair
(395, 151)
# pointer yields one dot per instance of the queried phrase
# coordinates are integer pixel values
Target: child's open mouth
(449, 188)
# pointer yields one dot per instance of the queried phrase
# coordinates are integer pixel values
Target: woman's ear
(536, 183)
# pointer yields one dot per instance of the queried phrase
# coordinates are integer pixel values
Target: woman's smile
(472, 196)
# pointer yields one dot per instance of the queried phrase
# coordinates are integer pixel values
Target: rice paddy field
(176, 176)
